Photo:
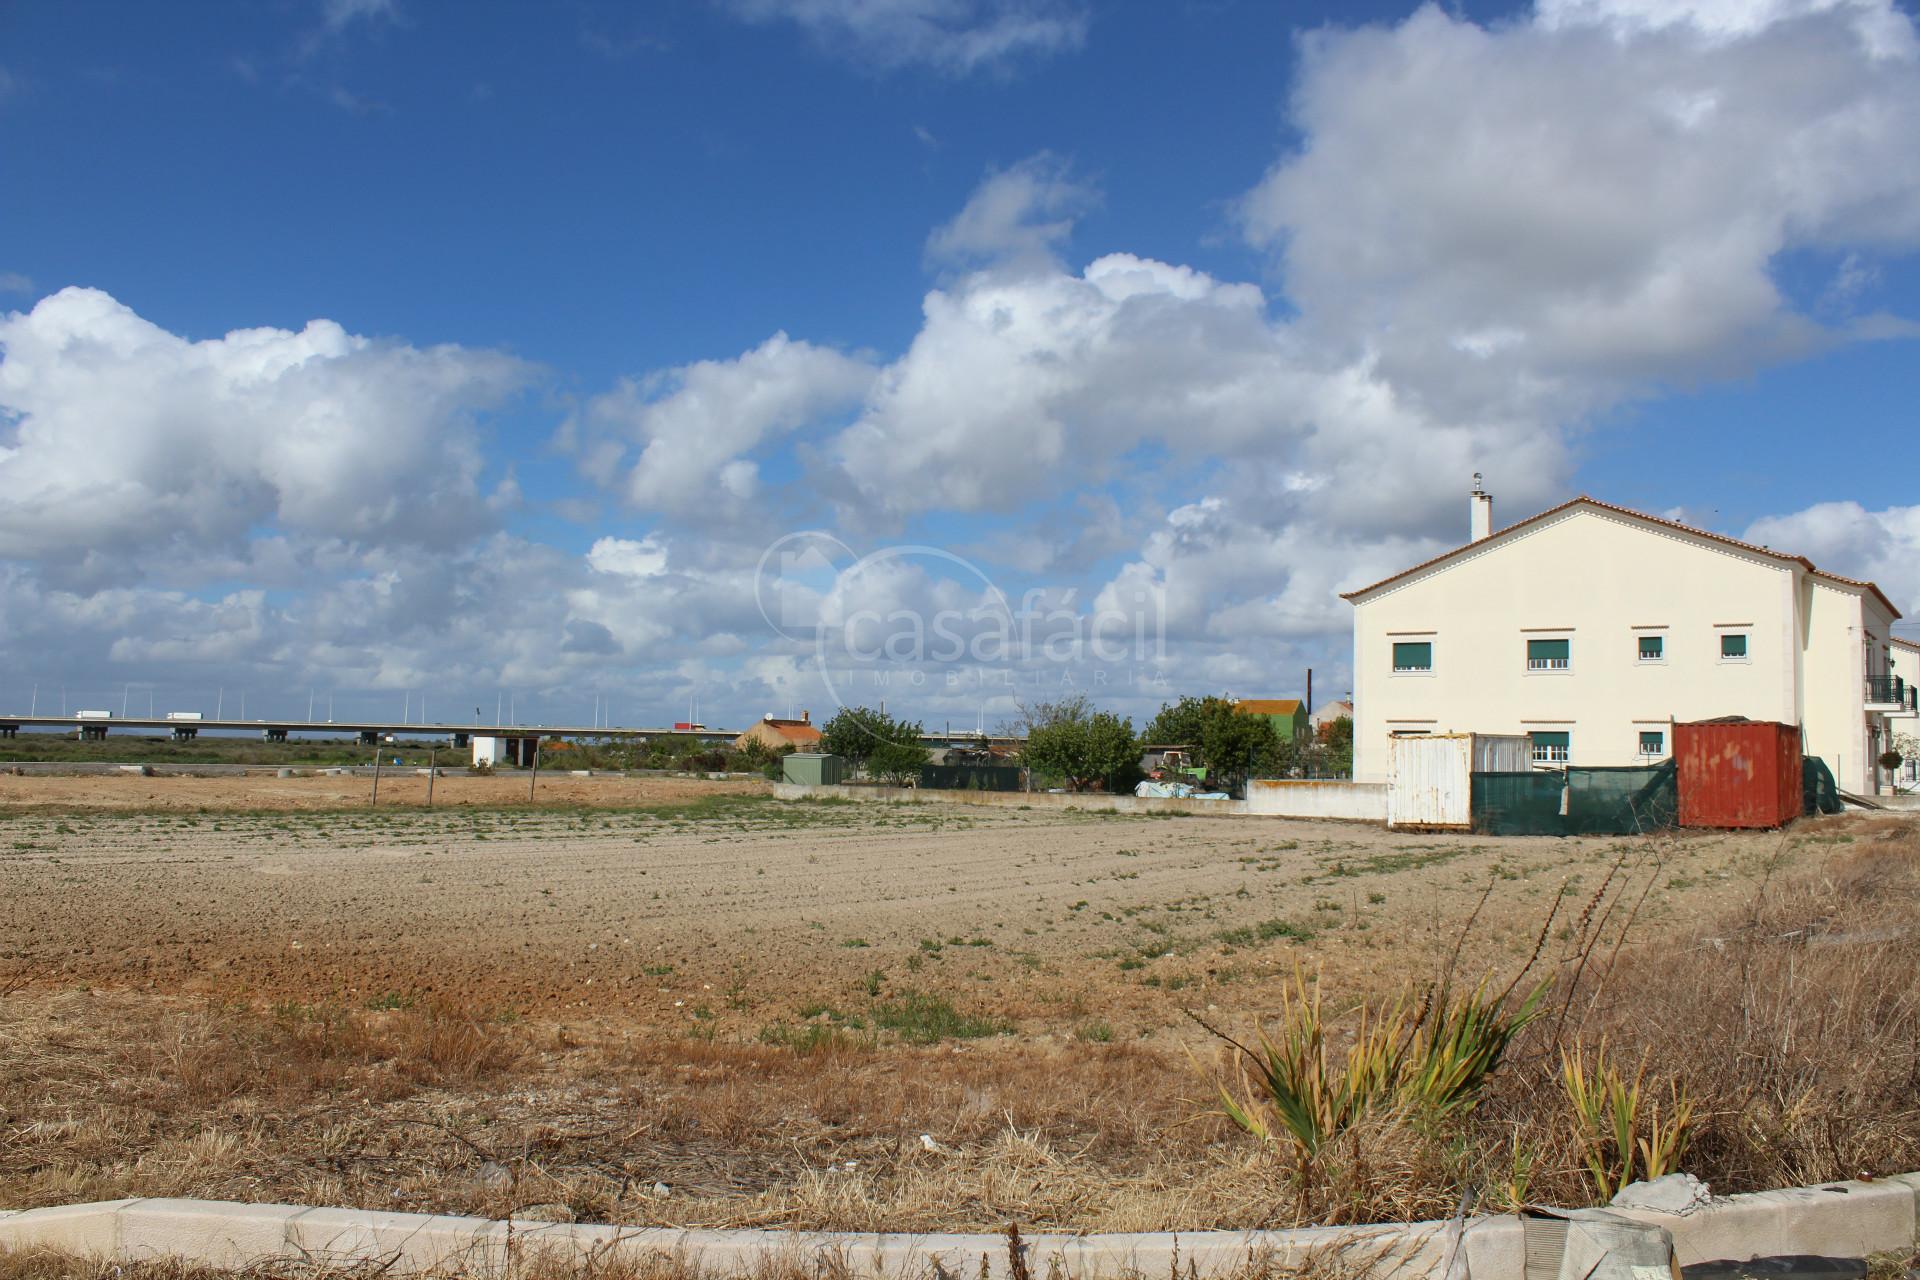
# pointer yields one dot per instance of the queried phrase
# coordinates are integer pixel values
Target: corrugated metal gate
(1430, 781)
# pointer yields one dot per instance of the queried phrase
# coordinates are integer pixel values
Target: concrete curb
(1841, 1219)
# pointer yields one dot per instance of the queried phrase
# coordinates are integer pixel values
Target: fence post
(534, 780)
(376, 776)
(433, 754)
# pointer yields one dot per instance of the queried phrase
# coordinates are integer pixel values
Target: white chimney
(1482, 514)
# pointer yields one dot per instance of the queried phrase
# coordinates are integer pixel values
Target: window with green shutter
(1653, 742)
(1549, 655)
(1653, 648)
(1413, 655)
(1733, 646)
(1552, 746)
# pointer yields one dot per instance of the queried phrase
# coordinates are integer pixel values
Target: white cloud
(1879, 26)
(695, 423)
(14, 282)
(1846, 538)
(641, 558)
(954, 36)
(1604, 190)
(340, 14)
(1020, 216)
(123, 445)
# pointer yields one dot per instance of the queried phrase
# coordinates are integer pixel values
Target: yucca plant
(1618, 1125)
(1427, 1059)
(1457, 1043)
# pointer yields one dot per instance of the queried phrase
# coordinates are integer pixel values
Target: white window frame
(1551, 666)
(1535, 750)
(1640, 747)
(1432, 657)
(1642, 660)
(1720, 643)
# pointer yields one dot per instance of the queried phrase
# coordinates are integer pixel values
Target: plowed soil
(712, 905)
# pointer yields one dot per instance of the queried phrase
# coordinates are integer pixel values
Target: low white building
(1592, 629)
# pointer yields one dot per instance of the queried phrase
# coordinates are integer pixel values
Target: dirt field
(687, 1003)
(742, 910)
(314, 789)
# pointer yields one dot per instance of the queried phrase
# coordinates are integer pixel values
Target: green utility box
(813, 769)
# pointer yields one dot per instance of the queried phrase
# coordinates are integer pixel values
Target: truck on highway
(93, 715)
(185, 715)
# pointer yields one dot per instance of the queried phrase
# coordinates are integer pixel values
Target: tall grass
(1777, 1046)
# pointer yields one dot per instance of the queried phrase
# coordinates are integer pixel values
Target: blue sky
(386, 347)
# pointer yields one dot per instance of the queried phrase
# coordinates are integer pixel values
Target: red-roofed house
(779, 734)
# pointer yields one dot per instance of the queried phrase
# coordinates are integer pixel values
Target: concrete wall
(1288, 798)
(1598, 580)
(1846, 1219)
(1008, 799)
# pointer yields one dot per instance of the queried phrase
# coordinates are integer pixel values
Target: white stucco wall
(1600, 580)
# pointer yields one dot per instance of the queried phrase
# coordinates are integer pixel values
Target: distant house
(1592, 629)
(1328, 712)
(1289, 715)
(778, 735)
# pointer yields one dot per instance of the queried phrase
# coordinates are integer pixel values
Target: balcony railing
(1887, 691)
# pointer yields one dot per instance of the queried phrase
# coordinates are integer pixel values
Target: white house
(1906, 665)
(1592, 629)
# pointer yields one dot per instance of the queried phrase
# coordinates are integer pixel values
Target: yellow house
(1592, 629)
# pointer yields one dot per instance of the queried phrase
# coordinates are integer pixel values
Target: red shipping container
(1737, 773)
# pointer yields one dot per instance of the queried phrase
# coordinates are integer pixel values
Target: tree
(898, 762)
(1086, 748)
(1231, 745)
(1181, 724)
(1075, 708)
(1333, 746)
(873, 740)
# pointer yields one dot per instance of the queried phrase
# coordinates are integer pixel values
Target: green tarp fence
(1819, 793)
(1582, 802)
(969, 777)
(1519, 804)
(1606, 802)
(1628, 801)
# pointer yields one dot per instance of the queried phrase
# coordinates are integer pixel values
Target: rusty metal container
(1737, 773)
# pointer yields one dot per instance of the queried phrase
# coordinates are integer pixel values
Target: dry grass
(1794, 1021)
(52, 1265)
(1792, 1028)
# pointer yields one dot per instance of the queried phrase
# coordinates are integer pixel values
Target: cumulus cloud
(954, 36)
(123, 445)
(1544, 216)
(694, 424)
(1021, 216)
(1482, 239)
(1846, 538)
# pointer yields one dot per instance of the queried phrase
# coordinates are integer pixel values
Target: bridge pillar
(274, 735)
(93, 733)
(369, 737)
(9, 730)
(460, 742)
(185, 733)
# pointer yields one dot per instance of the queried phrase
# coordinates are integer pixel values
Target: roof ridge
(1590, 500)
